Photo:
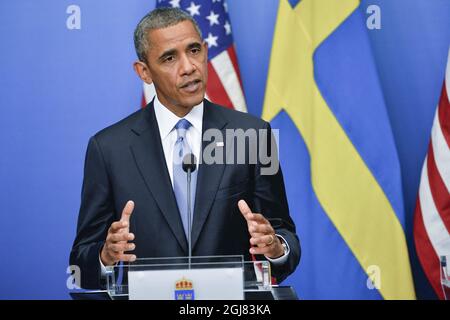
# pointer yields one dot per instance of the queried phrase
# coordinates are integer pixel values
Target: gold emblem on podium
(184, 289)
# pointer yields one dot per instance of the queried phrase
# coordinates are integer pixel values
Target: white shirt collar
(167, 119)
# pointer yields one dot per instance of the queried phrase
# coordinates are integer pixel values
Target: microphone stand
(189, 216)
(189, 166)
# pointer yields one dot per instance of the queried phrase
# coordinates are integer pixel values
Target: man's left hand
(263, 238)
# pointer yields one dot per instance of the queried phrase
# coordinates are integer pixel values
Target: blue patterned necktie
(180, 149)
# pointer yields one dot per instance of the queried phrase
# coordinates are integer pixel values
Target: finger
(257, 217)
(256, 228)
(119, 248)
(127, 211)
(258, 245)
(123, 257)
(117, 226)
(263, 240)
(127, 257)
(122, 247)
(260, 250)
(118, 237)
(245, 209)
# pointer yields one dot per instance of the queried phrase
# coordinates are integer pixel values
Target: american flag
(224, 85)
(432, 216)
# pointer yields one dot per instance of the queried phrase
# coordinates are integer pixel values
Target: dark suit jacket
(126, 162)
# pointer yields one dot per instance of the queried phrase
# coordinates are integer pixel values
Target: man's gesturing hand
(117, 239)
(263, 238)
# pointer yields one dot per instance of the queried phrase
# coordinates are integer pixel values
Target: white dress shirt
(166, 122)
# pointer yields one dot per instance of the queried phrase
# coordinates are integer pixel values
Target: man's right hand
(116, 243)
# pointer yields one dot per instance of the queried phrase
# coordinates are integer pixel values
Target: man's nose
(186, 66)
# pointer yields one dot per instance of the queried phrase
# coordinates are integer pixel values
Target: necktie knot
(181, 145)
(181, 127)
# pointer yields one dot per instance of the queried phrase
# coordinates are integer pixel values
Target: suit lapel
(149, 156)
(209, 176)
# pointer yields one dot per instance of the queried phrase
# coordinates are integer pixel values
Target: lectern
(190, 278)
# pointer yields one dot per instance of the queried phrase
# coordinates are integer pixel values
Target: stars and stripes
(432, 216)
(224, 84)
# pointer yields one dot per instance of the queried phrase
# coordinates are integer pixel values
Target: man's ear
(143, 71)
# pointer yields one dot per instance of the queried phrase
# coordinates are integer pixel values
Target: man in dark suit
(134, 193)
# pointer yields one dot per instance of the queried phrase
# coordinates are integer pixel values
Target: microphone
(189, 165)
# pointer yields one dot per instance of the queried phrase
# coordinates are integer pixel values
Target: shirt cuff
(280, 260)
(103, 270)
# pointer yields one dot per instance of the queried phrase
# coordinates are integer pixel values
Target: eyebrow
(167, 53)
(171, 52)
(194, 45)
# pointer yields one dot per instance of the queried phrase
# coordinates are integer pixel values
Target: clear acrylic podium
(184, 278)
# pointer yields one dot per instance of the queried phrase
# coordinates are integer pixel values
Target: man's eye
(169, 59)
(195, 50)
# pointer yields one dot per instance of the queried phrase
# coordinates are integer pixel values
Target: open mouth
(191, 86)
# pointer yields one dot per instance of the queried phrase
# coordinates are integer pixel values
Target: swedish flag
(338, 153)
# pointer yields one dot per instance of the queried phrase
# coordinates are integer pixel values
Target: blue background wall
(60, 86)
